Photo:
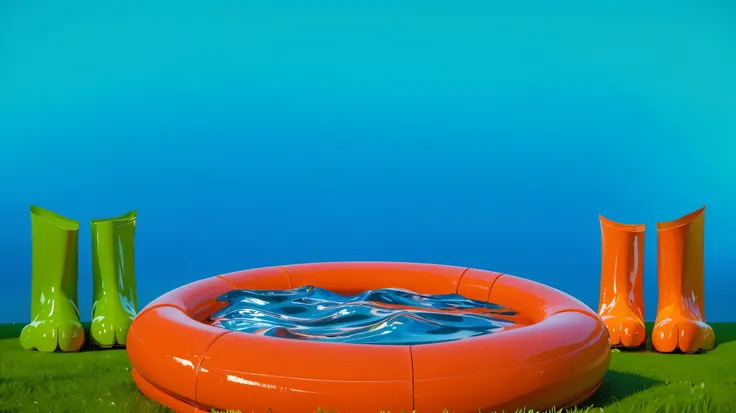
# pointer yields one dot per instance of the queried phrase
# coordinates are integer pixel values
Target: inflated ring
(179, 360)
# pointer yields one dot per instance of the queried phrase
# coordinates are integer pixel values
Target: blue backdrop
(458, 132)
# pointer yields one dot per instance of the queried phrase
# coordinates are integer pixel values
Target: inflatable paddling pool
(179, 359)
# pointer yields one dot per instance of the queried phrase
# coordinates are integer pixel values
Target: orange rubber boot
(680, 312)
(622, 276)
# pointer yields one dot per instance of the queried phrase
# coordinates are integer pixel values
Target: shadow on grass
(725, 332)
(11, 330)
(618, 386)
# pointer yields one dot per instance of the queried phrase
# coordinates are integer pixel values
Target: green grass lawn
(100, 381)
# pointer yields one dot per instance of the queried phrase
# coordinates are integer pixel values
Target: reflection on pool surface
(385, 316)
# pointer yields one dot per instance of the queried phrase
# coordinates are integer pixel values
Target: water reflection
(385, 316)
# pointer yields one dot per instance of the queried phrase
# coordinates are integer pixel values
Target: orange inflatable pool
(179, 360)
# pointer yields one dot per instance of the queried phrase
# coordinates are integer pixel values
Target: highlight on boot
(621, 303)
(680, 322)
(55, 322)
(114, 301)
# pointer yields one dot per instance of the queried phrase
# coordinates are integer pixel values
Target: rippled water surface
(386, 316)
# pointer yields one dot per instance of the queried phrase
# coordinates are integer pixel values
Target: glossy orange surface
(680, 322)
(621, 304)
(558, 360)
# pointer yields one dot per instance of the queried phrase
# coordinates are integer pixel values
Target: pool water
(385, 316)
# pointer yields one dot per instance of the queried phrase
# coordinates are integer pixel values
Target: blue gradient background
(460, 132)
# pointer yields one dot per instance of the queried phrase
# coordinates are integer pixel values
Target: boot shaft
(113, 260)
(680, 262)
(55, 261)
(622, 264)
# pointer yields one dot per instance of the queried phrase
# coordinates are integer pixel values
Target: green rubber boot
(114, 300)
(54, 309)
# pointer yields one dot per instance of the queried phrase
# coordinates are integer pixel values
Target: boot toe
(633, 333)
(102, 332)
(625, 331)
(71, 339)
(49, 335)
(665, 336)
(614, 331)
(110, 330)
(681, 333)
(695, 336)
